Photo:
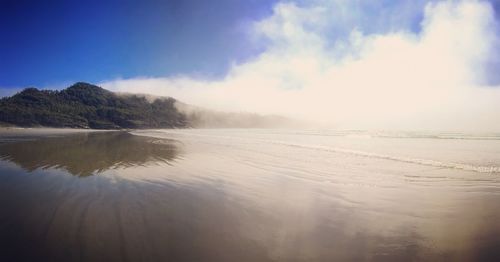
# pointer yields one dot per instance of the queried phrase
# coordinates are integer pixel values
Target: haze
(438, 77)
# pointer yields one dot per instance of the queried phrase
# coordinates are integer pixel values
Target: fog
(434, 78)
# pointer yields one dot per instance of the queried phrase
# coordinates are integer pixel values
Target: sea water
(251, 195)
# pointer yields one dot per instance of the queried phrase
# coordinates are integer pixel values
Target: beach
(249, 195)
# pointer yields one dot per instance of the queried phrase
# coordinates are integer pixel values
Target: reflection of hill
(89, 153)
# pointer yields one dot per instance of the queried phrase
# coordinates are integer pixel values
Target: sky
(343, 63)
(59, 42)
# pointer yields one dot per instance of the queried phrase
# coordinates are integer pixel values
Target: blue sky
(56, 42)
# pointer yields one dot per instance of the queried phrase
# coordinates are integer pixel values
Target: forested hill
(83, 105)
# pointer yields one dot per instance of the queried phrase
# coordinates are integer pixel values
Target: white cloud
(397, 79)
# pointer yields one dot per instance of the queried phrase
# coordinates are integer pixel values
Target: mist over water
(251, 195)
(435, 76)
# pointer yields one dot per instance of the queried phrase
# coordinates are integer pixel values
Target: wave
(418, 161)
(401, 135)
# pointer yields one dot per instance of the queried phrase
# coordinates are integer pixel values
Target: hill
(84, 105)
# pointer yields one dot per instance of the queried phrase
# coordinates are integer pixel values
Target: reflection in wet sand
(230, 199)
(88, 153)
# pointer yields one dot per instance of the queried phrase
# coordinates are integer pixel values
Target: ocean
(250, 195)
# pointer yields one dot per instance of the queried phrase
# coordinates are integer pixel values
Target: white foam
(405, 159)
(418, 161)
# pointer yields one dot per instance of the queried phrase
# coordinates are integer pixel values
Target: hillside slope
(84, 105)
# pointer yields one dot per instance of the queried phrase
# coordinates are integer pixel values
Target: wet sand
(42, 131)
(221, 196)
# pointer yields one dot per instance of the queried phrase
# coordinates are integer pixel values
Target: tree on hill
(84, 105)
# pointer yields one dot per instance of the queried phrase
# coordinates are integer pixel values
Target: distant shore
(12, 131)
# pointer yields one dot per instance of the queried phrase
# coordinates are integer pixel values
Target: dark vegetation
(84, 105)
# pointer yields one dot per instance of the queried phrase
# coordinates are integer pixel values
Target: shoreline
(44, 131)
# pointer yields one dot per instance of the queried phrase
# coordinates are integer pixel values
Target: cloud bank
(321, 64)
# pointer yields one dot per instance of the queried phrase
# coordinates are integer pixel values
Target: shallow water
(250, 195)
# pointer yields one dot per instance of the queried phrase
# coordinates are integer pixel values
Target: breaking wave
(418, 161)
